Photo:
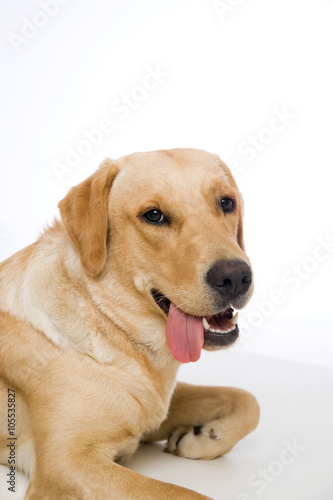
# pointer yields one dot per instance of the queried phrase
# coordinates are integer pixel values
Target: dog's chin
(220, 330)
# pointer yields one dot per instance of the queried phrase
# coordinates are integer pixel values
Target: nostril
(227, 283)
(246, 280)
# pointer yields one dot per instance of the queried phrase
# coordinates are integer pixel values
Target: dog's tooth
(220, 332)
(231, 329)
(205, 324)
(234, 319)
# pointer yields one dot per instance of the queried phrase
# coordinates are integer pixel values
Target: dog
(141, 273)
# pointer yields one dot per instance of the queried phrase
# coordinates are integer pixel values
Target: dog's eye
(154, 216)
(228, 205)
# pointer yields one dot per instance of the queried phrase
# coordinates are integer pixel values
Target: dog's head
(168, 226)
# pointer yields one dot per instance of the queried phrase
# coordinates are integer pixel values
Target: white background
(226, 74)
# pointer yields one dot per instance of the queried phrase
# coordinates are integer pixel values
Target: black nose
(231, 277)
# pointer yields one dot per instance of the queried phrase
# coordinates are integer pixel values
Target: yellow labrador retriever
(143, 271)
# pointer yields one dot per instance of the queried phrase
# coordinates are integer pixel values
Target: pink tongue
(185, 335)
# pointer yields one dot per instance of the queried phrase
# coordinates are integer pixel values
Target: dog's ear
(240, 238)
(85, 217)
(227, 171)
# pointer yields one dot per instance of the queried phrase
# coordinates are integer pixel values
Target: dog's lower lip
(218, 340)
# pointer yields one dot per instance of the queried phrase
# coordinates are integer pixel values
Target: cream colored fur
(82, 341)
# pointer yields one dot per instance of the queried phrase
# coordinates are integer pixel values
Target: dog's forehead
(171, 168)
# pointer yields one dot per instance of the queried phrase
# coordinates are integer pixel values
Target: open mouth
(187, 334)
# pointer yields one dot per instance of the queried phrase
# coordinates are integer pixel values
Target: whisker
(180, 305)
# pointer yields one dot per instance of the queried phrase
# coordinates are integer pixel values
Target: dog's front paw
(204, 441)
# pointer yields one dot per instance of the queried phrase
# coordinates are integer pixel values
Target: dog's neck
(48, 305)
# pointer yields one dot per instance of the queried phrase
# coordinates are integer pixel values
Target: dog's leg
(206, 422)
(93, 477)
